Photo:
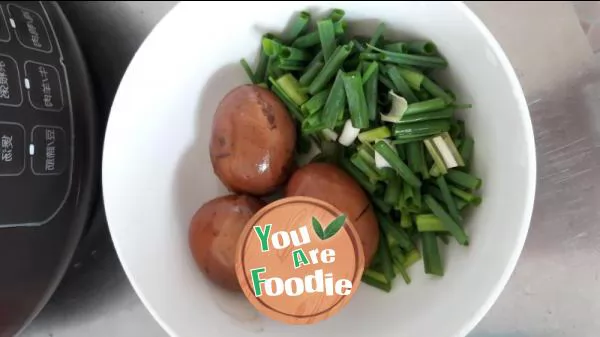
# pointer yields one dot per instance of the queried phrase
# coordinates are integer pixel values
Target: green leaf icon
(317, 227)
(334, 226)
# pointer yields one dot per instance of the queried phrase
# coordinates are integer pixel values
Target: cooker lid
(48, 156)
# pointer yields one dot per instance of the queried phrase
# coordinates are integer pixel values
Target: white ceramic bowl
(157, 171)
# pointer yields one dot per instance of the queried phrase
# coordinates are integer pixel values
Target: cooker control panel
(36, 119)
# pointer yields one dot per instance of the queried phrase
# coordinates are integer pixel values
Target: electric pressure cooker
(49, 156)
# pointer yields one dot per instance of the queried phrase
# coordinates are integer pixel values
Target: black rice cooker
(49, 156)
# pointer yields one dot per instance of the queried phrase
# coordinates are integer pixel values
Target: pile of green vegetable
(371, 106)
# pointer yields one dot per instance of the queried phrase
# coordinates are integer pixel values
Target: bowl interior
(157, 171)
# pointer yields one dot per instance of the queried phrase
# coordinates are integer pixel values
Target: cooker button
(31, 29)
(10, 84)
(43, 85)
(12, 149)
(4, 31)
(50, 151)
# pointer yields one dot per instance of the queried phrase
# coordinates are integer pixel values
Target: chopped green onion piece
(422, 47)
(425, 106)
(414, 156)
(435, 171)
(411, 258)
(456, 231)
(366, 151)
(436, 91)
(372, 69)
(248, 70)
(260, 75)
(398, 234)
(365, 168)
(313, 39)
(448, 200)
(412, 198)
(429, 223)
(349, 134)
(310, 73)
(388, 153)
(448, 150)
(377, 280)
(331, 68)
(298, 26)
(411, 60)
(437, 194)
(370, 88)
(357, 103)
(336, 101)
(368, 157)
(375, 134)
(423, 161)
(415, 60)
(413, 78)
(408, 139)
(380, 162)
(315, 103)
(464, 179)
(327, 37)
(337, 14)
(466, 150)
(400, 84)
(439, 166)
(431, 255)
(426, 128)
(271, 46)
(427, 116)
(290, 65)
(392, 191)
(466, 196)
(398, 47)
(398, 109)
(400, 269)
(294, 54)
(312, 124)
(293, 108)
(376, 36)
(273, 67)
(290, 85)
(386, 259)
(360, 177)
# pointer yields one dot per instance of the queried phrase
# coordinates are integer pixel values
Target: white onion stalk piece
(399, 107)
(349, 134)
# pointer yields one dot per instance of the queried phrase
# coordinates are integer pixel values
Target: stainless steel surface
(555, 290)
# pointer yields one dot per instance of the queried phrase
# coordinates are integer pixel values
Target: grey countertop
(555, 289)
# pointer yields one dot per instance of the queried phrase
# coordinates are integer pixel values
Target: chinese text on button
(35, 36)
(50, 150)
(7, 149)
(46, 89)
(4, 88)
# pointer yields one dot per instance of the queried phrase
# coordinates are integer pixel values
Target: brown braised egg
(328, 183)
(213, 235)
(253, 140)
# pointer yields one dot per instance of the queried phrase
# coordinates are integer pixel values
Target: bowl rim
(507, 68)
